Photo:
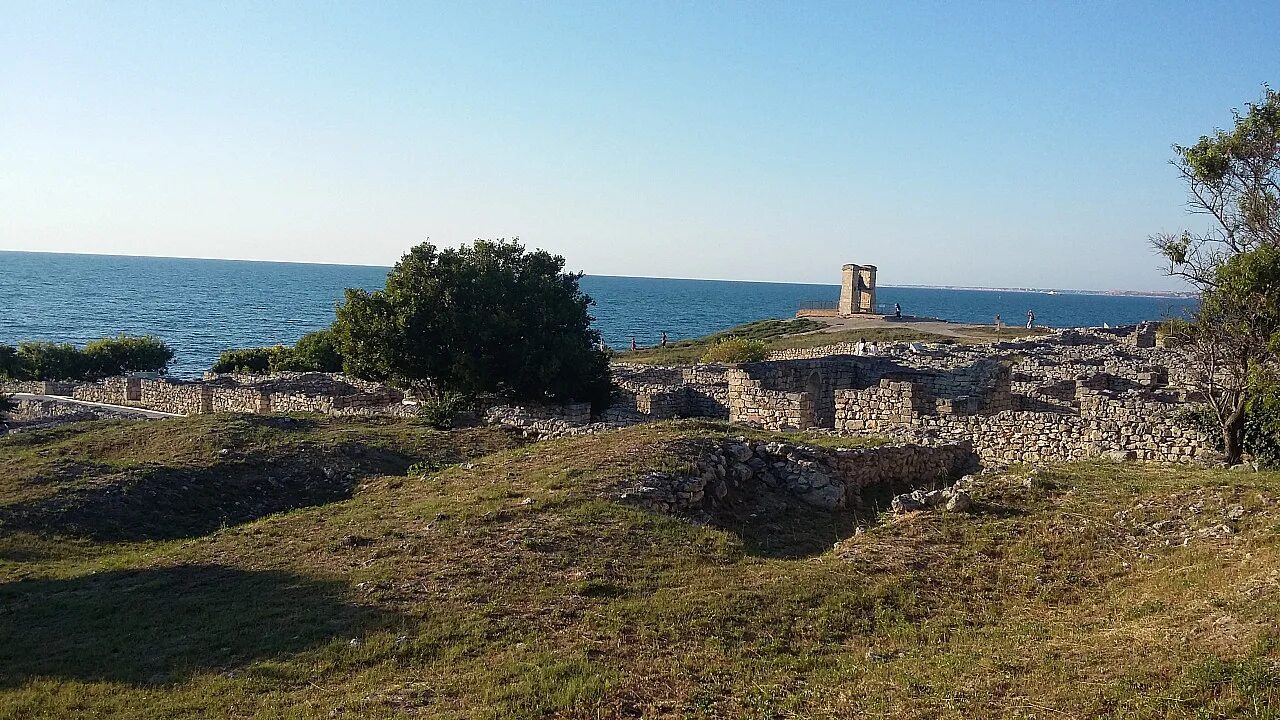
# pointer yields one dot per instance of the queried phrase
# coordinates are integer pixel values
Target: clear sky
(997, 144)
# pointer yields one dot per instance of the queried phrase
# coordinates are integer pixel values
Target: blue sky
(996, 144)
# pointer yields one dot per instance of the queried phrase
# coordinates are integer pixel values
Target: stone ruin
(760, 478)
(333, 394)
(1075, 394)
(857, 290)
(1072, 395)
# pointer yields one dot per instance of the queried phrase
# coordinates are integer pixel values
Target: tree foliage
(97, 359)
(38, 360)
(10, 364)
(125, 354)
(1232, 340)
(314, 352)
(317, 352)
(488, 318)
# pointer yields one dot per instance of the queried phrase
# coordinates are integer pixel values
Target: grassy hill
(275, 567)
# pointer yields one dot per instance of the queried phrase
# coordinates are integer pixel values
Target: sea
(202, 307)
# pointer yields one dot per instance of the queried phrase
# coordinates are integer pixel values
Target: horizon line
(1156, 293)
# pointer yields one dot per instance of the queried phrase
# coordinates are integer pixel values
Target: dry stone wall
(737, 471)
(544, 421)
(37, 387)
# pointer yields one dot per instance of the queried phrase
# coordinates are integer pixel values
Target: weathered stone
(959, 501)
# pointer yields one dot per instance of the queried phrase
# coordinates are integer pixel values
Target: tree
(486, 318)
(125, 354)
(10, 363)
(314, 352)
(50, 361)
(1233, 338)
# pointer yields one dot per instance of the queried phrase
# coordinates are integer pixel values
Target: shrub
(315, 352)
(438, 411)
(1261, 429)
(50, 361)
(485, 318)
(248, 360)
(7, 404)
(125, 354)
(10, 363)
(736, 350)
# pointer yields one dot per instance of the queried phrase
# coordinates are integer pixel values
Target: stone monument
(857, 290)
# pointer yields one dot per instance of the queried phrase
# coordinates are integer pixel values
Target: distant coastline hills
(1060, 291)
(1051, 291)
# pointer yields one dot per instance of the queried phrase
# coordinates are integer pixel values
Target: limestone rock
(959, 502)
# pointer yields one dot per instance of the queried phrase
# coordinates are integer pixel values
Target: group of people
(661, 343)
(1031, 320)
(862, 348)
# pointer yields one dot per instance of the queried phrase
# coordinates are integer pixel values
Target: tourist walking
(664, 339)
(897, 311)
(634, 347)
(1031, 319)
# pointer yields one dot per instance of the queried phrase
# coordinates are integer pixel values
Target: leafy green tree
(250, 360)
(1233, 338)
(125, 354)
(314, 352)
(50, 361)
(11, 363)
(486, 318)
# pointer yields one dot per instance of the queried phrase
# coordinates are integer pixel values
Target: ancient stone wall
(172, 396)
(29, 410)
(545, 421)
(238, 399)
(112, 391)
(38, 387)
(708, 391)
(750, 403)
(646, 392)
(735, 469)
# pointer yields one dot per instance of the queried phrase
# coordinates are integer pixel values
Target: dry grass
(511, 584)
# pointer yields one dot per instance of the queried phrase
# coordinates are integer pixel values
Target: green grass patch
(509, 582)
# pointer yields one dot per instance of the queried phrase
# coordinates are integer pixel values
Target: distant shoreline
(1061, 291)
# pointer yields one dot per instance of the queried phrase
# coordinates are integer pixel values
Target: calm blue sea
(201, 307)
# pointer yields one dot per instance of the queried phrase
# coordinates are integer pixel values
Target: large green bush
(250, 360)
(10, 363)
(125, 354)
(97, 359)
(487, 318)
(50, 361)
(315, 352)
(736, 350)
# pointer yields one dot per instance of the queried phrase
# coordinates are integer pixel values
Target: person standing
(664, 339)
(897, 311)
(861, 347)
(633, 343)
(1031, 319)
